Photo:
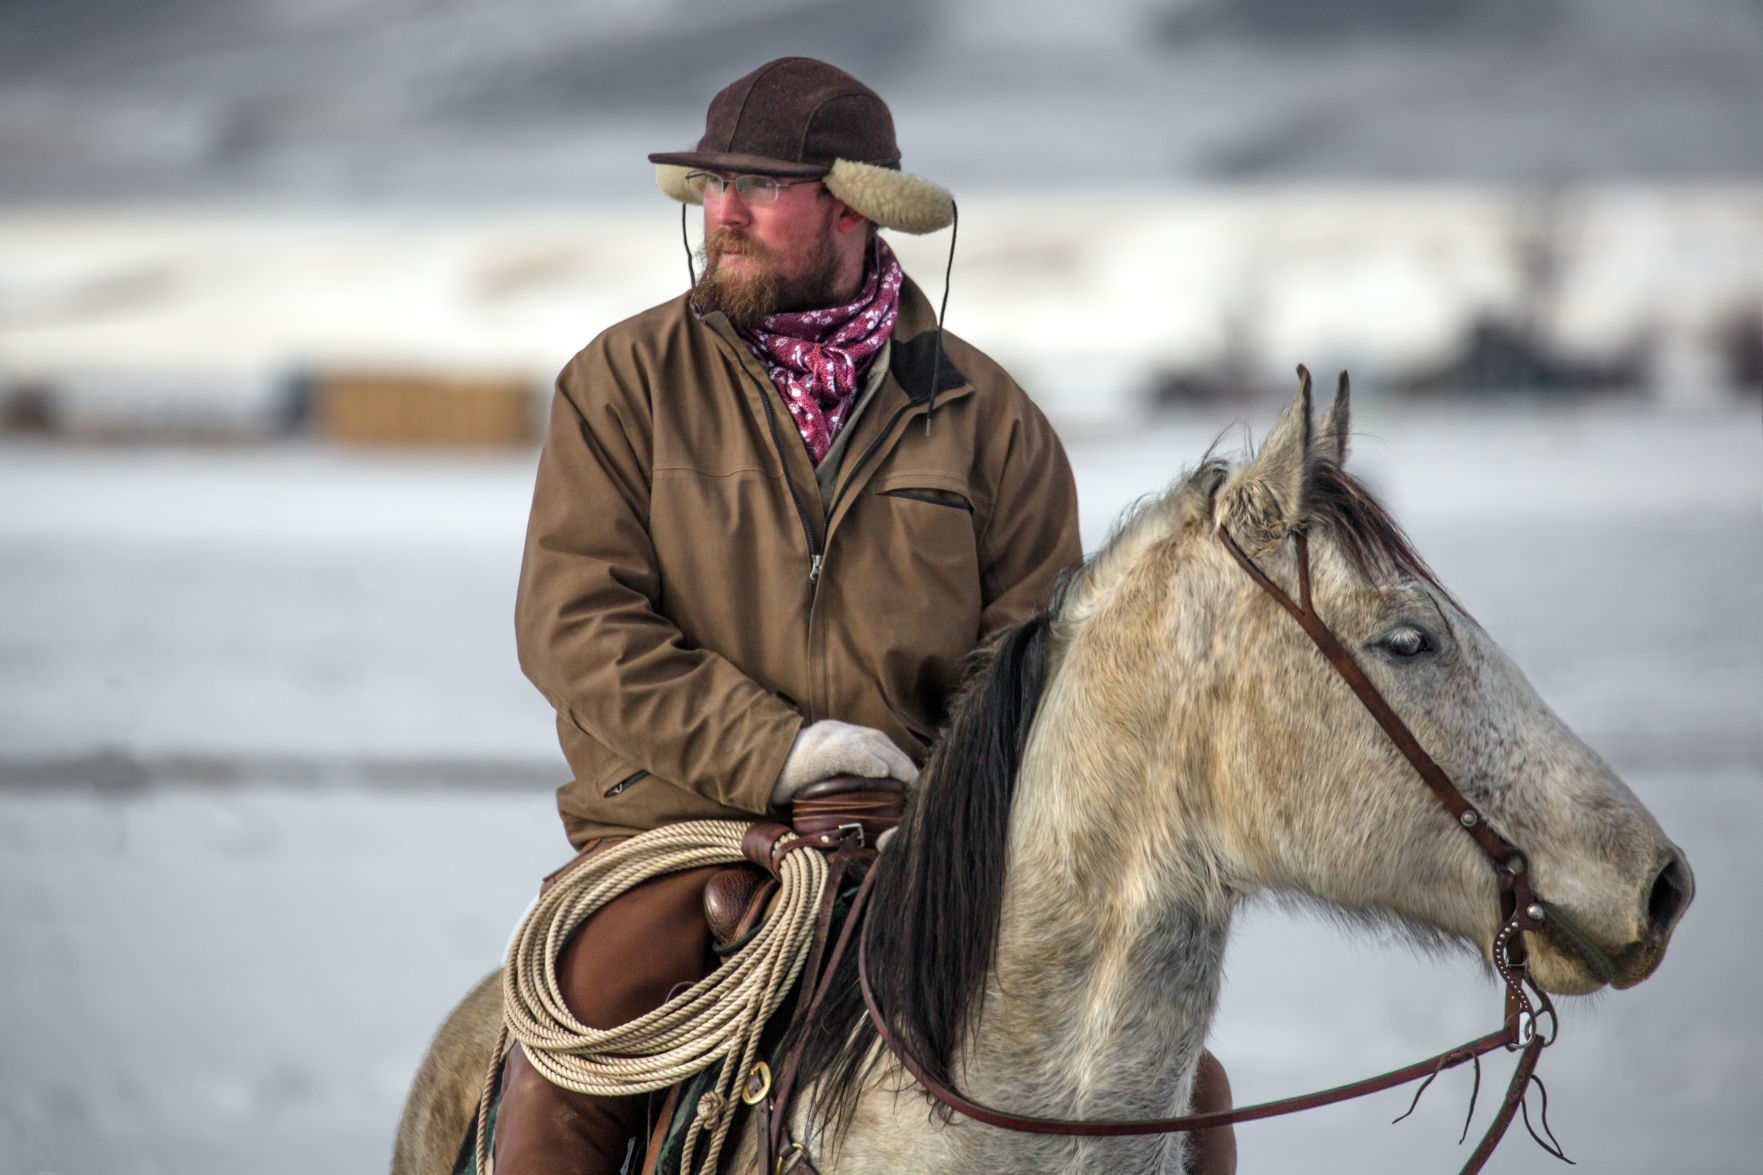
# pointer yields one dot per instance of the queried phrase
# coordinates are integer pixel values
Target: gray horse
(1051, 917)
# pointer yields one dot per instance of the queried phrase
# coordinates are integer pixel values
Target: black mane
(932, 918)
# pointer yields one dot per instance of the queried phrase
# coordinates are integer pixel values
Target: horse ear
(1331, 437)
(1267, 500)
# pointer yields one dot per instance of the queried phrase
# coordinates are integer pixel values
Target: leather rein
(1520, 909)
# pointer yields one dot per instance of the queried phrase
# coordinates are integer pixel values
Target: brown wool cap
(792, 117)
(798, 117)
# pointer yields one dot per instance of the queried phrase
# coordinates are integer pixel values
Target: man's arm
(587, 623)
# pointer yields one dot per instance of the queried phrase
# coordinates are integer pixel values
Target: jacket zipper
(815, 550)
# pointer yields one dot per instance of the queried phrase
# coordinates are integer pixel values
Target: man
(771, 519)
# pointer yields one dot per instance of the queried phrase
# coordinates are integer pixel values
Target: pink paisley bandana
(816, 357)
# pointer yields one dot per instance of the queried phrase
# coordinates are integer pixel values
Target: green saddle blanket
(672, 1144)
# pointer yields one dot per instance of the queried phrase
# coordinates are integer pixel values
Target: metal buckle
(757, 1085)
(857, 828)
(788, 1154)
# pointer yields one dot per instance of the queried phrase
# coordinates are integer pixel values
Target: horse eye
(1407, 641)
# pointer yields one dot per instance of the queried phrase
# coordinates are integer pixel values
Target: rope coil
(720, 1017)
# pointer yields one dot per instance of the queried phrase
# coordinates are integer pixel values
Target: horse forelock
(1371, 541)
(1337, 504)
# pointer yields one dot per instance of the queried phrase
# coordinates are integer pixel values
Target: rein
(1520, 910)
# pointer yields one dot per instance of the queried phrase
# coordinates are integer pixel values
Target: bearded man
(772, 517)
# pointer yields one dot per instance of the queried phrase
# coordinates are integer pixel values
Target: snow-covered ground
(272, 790)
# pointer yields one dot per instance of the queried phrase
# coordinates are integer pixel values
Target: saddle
(844, 816)
(824, 814)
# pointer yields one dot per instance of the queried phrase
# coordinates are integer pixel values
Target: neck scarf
(817, 357)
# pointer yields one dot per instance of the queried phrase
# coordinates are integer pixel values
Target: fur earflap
(671, 179)
(891, 198)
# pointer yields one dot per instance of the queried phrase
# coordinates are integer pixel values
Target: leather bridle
(1520, 911)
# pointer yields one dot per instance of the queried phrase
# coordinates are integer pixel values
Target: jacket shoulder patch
(913, 360)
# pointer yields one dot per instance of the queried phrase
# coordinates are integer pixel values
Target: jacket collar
(912, 357)
(917, 340)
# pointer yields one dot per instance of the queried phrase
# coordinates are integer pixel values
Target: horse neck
(1110, 951)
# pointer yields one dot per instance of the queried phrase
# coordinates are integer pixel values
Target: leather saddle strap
(836, 868)
(766, 843)
(776, 1110)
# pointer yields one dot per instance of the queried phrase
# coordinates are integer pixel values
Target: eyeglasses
(754, 189)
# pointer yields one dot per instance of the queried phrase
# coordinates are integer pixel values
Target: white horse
(1049, 922)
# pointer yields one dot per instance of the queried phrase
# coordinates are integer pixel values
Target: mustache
(744, 297)
(733, 241)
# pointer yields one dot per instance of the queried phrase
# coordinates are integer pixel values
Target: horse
(1117, 777)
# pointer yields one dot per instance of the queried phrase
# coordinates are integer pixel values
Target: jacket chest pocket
(933, 495)
(930, 520)
(929, 487)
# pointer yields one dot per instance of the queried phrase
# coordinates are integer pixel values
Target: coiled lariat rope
(718, 1018)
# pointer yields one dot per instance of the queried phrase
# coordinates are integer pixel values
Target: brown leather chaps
(625, 960)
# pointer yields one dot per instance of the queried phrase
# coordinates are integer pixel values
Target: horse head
(1227, 756)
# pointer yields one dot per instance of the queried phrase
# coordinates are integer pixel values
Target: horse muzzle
(1568, 959)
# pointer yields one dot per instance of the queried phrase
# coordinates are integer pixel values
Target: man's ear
(847, 218)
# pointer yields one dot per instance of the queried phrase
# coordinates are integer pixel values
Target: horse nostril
(1672, 891)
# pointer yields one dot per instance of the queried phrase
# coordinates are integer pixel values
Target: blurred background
(282, 288)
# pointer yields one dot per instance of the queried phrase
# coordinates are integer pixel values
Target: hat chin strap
(892, 199)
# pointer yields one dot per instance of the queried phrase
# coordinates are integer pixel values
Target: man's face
(763, 257)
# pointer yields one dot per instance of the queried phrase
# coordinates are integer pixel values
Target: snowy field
(273, 791)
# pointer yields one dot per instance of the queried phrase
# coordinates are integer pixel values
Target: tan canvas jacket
(687, 601)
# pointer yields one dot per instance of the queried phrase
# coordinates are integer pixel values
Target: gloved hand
(830, 747)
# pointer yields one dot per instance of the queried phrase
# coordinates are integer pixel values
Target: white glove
(830, 747)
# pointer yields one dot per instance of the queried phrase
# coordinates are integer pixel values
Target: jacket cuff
(754, 791)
